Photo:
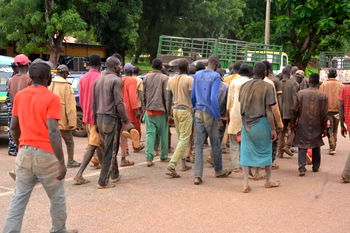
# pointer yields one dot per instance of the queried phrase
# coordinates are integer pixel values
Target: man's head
(314, 79)
(236, 67)
(289, 66)
(200, 66)
(117, 55)
(14, 68)
(136, 71)
(244, 70)
(113, 65)
(63, 71)
(251, 74)
(299, 75)
(294, 70)
(332, 73)
(259, 70)
(285, 73)
(157, 64)
(279, 76)
(268, 67)
(213, 62)
(95, 61)
(183, 66)
(22, 62)
(222, 72)
(40, 72)
(231, 68)
(128, 69)
(192, 69)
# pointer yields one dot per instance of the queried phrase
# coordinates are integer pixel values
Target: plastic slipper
(135, 137)
(186, 168)
(172, 175)
(247, 190)
(258, 177)
(117, 179)
(272, 185)
(198, 182)
(128, 163)
(126, 134)
(223, 174)
(108, 186)
(345, 179)
(80, 181)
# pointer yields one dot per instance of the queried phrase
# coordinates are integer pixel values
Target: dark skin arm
(270, 117)
(169, 103)
(15, 129)
(56, 144)
(344, 131)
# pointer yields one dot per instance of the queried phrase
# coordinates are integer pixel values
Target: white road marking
(71, 179)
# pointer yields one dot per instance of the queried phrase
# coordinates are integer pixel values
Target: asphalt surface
(146, 200)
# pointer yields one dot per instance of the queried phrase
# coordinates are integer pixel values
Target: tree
(115, 22)
(38, 26)
(308, 22)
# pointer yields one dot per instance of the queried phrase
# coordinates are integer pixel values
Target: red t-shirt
(33, 106)
(130, 97)
(345, 97)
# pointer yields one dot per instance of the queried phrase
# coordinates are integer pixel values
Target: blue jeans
(33, 164)
(206, 124)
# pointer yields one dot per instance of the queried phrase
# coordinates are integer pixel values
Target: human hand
(344, 131)
(273, 135)
(62, 170)
(170, 120)
(220, 125)
(324, 133)
(279, 129)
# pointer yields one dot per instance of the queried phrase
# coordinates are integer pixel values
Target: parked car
(81, 130)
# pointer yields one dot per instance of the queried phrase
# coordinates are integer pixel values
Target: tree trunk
(299, 62)
(54, 55)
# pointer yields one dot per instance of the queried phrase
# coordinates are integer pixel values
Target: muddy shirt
(289, 93)
(254, 96)
(311, 107)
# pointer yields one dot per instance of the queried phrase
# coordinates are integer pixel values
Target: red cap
(21, 59)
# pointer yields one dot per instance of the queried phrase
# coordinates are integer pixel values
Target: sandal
(274, 184)
(108, 186)
(150, 163)
(80, 181)
(345, 179)
(172, 172)
(198, 180)
(247, 190)
(116, 179)
(127, 163)
(258, 177)
(186, 168)
(223, 174)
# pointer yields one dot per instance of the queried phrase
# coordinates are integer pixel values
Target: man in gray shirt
(109, 113)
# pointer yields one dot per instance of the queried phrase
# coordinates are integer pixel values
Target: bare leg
(86, 159)
(270, 183)
(245, 177)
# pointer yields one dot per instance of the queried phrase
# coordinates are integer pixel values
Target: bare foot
(272, 184)
(80, 180)
(108, 186)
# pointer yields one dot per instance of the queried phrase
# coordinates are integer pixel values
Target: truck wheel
(80, 131)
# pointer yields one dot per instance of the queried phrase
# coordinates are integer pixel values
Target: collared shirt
(289, 93)
(17, 83)
(181, 87)
(205, 92)
(345, 97)
(234, 106)
(332, 88)
(154, 90)
(108, 96)
(311, 109)
(86, 86)
(254, 96)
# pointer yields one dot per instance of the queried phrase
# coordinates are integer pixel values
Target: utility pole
(267, 22)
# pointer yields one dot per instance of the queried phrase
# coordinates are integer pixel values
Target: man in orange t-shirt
(234, 72)
(34, 128)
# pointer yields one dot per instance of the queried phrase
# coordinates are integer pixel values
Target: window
(285, 60)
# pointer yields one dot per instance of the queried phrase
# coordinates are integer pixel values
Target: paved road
(146, 200)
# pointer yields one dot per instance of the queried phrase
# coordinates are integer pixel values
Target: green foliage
(86, 36)
(24, 21)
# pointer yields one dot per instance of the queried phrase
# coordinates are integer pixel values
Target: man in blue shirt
(204, 97)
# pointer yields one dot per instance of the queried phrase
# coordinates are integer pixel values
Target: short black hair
(289, 66)
(294, 70)
(251, 74)
(39, 71)
(237, 66)
(95, 60)
(222, 72)
(314, 78)
(192, 69)
(183, 65)
(259, 69)
(117, 55)
(136, 70)
(332, 73)
(268, 65)
(213, 59)
(244, 70)
(286, 71)
(200, 66)
(157, 64)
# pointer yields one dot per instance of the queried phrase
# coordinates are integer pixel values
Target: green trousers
(156, 124)
(183, 124)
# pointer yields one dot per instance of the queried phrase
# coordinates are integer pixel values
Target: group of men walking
(257, 110)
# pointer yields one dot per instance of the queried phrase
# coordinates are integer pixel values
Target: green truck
(5, 72)
(229, 51)
(337, 60)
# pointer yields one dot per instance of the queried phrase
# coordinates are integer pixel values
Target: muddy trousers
(316, 159)
(332, 131)
(68, 139)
